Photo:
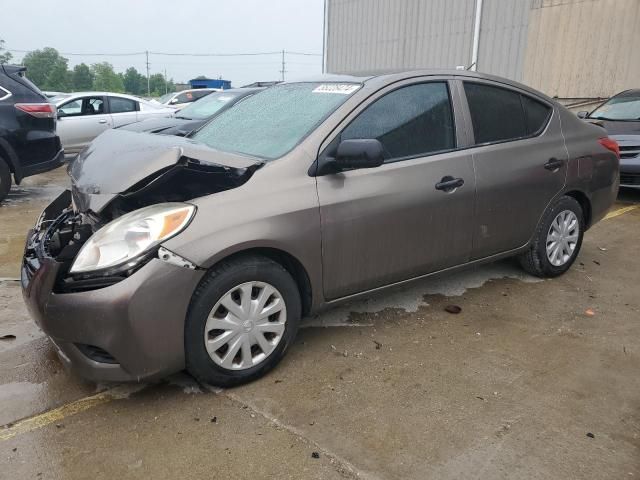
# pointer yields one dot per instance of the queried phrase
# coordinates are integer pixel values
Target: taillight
(610, 144)
(39, 110)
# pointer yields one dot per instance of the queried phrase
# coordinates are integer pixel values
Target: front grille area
(629, 151)
(630, 179)
(96, 354)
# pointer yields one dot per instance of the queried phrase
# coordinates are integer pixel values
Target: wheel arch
(584, 202)
(290, 263)
(9, 156)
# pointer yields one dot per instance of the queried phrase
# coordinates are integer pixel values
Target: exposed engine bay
(71, 219)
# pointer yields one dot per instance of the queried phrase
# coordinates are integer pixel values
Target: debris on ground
(7, 337)
(591, 435)
(315, 455)
(455, 309)
(596, 262)
(214, 420)
(378, 344)
(602, 249)
(589, 312)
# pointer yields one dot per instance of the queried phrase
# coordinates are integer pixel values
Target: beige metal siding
(503, 37)
(368, 35)
(583, 48)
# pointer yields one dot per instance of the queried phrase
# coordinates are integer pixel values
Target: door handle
(553, 164)
(102, 121)
(449, 184)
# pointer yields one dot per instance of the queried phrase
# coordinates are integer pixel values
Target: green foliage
(134, 82)
(105, 79)
(6, 56)
(82, 78)
(47, 69)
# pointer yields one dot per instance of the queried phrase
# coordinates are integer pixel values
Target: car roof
(381, 77)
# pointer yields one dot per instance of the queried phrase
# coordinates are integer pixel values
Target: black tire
(5, 179)
(535, 260)
(218, 281)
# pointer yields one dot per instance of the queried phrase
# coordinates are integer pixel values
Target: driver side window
(411, 121)
(82, 106)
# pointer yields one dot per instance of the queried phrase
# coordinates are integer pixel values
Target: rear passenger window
(536, 114)
(496, 113)
(411, 121)
(122, 105)
(499, 114)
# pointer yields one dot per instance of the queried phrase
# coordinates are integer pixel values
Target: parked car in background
(28, 140)
(194, 115)
(620, 116)
(206, 252)
(185, 97)
(83, 116)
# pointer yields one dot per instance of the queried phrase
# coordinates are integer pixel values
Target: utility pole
(166, 86)
(283, 71)
(148, 81)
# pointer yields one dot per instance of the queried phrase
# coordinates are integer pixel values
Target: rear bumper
(55, 162)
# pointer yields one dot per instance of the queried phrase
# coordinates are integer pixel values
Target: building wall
(565, 48)
(583, 48)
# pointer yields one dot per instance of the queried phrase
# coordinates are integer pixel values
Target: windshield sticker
(341, 88)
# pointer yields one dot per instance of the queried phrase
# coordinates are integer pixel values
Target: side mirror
(583, 114)
(359, 153)
(173, 101)
(60, 114)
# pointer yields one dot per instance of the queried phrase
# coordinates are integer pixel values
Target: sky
(185, 26)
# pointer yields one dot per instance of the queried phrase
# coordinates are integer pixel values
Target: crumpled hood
(159, 125)
(117, 160)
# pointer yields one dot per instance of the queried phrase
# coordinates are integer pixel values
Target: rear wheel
(557, 240)
(5, 179)
(243, 317)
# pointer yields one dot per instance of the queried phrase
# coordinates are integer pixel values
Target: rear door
(391, 223)
(123, 110)
(80, 120)
(520, 162)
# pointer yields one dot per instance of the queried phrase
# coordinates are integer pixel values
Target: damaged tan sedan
(204, 253)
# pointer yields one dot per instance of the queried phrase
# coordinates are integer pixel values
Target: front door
(123, 110)
(80, 121)
(520, 162)
(398, 221)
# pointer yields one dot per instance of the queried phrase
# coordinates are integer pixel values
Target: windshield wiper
(182, 118)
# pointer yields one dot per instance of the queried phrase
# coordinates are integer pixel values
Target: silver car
(205, 252)
(82, 116)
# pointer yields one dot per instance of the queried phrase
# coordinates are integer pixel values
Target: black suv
(28, 140)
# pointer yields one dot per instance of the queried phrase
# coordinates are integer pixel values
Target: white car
(83, 116)
(185, 97)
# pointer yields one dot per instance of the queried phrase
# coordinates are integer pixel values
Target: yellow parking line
(621, 211)
(58, 414)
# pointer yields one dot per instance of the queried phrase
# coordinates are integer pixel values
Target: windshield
(270, 123)
(622, 107)
(164, 98)
(207, 106)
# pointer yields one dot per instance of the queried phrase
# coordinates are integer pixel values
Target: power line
(185, 54)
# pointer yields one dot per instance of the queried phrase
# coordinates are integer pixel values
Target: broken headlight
(127, 237)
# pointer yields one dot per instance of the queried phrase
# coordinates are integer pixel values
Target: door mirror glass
(61, 113)
(359, 153)
(583, 114)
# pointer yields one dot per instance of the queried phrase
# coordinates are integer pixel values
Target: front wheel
(557, 240)
(243, 317)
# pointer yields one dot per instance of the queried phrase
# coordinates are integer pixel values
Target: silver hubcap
(245, 326)
(562, 238)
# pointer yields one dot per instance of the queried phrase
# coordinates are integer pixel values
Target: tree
(82, 78)
(6, 56)
(134, 82)
(44, 63)
(105, 79)
(157, 84)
